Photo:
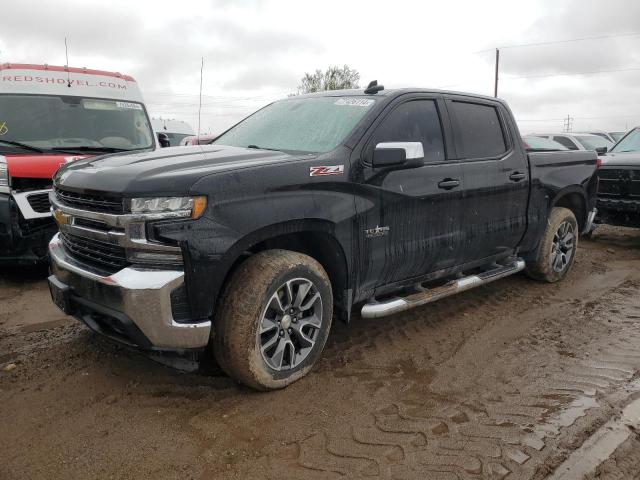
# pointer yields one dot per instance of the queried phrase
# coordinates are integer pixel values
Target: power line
(554, 42)
(558, 119)
(594, 72)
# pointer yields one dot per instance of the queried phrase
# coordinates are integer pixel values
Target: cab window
(413, 121)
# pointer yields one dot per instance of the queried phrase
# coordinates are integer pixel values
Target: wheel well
(574, 202)
(322, 247)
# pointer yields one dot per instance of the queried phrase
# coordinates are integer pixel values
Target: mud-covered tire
(245, 305)
(551, 264)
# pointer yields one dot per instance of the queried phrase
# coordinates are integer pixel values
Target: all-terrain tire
(245, 301)
(550, 265)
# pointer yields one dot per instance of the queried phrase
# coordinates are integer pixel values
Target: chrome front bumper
(136, 295)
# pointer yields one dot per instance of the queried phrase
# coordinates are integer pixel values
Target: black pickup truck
(315, 205)
(619, 183)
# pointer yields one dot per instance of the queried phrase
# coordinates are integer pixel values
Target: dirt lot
(506, 381)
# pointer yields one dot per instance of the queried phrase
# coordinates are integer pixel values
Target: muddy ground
(505, 381)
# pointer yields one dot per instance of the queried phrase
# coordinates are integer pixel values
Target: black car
(375, 200)
(619, 183)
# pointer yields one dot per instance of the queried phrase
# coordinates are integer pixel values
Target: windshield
(311, 125)
(630, 143)
(592, 142)
(69, 123)
(539, 143)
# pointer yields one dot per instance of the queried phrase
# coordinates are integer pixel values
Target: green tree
(334, 78)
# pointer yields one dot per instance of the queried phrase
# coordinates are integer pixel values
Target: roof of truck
(58, 68)
(392, 92)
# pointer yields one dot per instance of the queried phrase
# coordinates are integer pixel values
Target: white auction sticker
(129, 105)
(354, 102)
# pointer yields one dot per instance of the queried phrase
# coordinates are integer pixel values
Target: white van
(50, 115)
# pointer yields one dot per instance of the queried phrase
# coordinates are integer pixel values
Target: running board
(395, 305)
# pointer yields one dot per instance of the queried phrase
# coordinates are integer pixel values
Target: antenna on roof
(373, 88)
(200, 102)
(66, 52)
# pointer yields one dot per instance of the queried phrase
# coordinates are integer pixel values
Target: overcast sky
(256, 51)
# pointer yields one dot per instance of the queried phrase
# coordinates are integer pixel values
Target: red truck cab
(49, 116)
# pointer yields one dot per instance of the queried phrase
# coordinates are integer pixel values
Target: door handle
(448, 183)
(517, 176)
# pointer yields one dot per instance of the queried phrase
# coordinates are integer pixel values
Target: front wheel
(274, 319)
(557, 247)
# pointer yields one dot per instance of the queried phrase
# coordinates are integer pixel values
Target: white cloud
(256, 50)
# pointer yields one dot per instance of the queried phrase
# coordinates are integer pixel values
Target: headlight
(4, 174)
(192, 207)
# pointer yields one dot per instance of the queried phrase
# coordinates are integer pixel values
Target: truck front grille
(95, 203)
(39, 202)
(619, 183)
(105, 256)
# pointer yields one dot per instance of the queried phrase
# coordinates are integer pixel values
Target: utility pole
(495, 89)
(200, 101)
(568, 124)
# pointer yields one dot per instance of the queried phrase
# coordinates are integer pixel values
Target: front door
(410, 216)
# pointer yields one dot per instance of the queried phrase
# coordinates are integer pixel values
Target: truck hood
(37, 166)
(621, 159)
(166, 171)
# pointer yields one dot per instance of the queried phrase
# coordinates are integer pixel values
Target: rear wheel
(557, 248)
(274, 319)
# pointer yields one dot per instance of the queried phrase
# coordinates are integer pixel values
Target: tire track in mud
(514, 429)
(498, 382)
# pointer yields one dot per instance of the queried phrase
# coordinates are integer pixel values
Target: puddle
(600, 446)
(565, 417)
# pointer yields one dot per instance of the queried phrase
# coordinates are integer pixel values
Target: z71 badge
(326, 170)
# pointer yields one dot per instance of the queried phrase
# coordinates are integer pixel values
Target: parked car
(605, 135)
(50, 116)
(616, 136)
(198, 140)
(175, 130)
(533, 143)
(619, 183)
(380, 200)
(579, 141)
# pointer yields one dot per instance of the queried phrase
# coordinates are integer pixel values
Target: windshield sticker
(355, 102)
(3, 128)
(99, 105)
(129, 105)
(326, 170)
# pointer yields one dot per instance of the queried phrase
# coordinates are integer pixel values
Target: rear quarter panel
(554, 175)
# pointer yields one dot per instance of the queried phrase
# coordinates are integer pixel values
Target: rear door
(410, 216)
(495, 170)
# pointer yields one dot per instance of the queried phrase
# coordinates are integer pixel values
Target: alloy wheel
(563, 246)
(290, 324)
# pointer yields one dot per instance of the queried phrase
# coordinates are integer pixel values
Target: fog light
(156, 257)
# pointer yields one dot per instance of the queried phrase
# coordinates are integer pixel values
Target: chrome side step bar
(394, 305)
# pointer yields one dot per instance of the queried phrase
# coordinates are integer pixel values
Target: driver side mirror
(388, 154)
(602, 150)
(163, 140)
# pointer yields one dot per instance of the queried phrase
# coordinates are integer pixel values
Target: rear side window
(479, 132)
(414, 121)
(566, 142)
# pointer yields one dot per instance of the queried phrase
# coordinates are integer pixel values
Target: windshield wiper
(22, 145)
(86, 148)
(263, 148)
(623, 151)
